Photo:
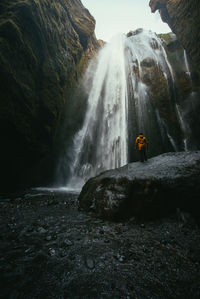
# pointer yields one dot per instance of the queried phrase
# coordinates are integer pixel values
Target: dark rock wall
(44, 47)
(186, 87)
(182, 16)
(170, 113)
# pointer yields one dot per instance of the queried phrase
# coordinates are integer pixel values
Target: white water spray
(118, 96)
(102, 142)
(147, 45)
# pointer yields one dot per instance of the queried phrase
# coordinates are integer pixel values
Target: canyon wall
(164, 91)
(182, 16)
(44, 46)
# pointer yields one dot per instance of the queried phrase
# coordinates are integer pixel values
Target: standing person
(142, 145)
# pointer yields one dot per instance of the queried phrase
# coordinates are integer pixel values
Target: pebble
(41, 230)
(106, 241)
(28, 250)
(68, 243)
(120, 257)
(52, 251)
(139, 256)
(89, 263)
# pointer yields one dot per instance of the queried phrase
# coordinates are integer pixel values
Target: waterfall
(124, 98)
(140, 47)
(102, 142)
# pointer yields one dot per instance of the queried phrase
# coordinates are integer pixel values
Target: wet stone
(89, 263)
(68, 243)
(48, 238)
(41, 230)
(120, 258)
(52, 252)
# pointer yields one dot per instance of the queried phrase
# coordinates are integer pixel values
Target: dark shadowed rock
(44, 48)
(145, 190)
(135, 32)
(174, 45)
(148, 62)
(182, 16)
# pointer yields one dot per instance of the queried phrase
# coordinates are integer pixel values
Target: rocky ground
(49, 249)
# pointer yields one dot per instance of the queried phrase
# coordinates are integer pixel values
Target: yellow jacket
(141, 142)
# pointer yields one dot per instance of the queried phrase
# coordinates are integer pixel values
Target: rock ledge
(145, 190)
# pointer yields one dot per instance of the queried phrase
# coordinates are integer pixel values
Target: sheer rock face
(185, 87)
(145, 190)
(44, 48)
(182, 16)
(173, 92)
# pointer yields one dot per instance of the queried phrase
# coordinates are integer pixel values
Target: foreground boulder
(145, 190)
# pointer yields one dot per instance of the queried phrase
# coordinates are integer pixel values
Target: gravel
(49, 249)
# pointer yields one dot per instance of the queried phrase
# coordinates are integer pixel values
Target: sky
(121, 16)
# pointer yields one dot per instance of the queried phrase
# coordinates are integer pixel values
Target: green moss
(165, 37)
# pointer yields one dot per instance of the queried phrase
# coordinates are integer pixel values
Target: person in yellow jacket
(142, 145)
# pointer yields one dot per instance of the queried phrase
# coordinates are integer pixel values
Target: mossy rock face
(44, 48)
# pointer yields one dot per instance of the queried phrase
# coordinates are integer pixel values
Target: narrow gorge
(80, 215)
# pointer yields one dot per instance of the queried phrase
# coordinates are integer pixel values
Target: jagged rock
(145, 190)
(157, 4)
(44, 48)
(135, 32)
(182, 16)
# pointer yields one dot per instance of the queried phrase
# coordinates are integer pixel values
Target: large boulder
(146, 190)
(44, 48)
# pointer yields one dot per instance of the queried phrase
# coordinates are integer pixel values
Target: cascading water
(131, 88)
(102, 142)
(142, 48)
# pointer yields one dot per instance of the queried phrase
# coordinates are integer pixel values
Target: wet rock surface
(49, 249)
(146, 190)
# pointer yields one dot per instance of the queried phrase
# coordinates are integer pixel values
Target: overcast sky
(121, 16)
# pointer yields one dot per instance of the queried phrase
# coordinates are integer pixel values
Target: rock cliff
(146, 190)
(170, 107)
(44, 48)
(182, 16)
